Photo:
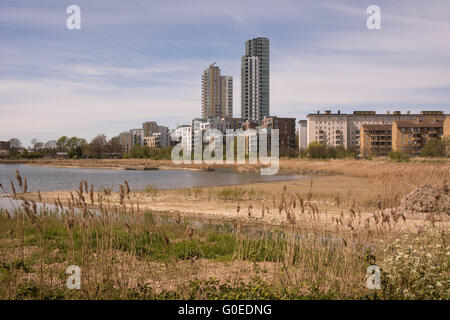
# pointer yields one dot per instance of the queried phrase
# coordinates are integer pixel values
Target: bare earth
(334, 195)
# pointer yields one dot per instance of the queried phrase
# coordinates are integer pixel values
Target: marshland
(308, 237)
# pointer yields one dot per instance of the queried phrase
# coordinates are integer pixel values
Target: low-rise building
(5, 145)
(137, 136)
(183, 134)
(229, 123)
(126, 142)
(302, 135)
(343, 130)
(376, 139)
(286, 129)
(409, 136)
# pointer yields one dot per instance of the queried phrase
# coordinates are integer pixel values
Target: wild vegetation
(126, 251)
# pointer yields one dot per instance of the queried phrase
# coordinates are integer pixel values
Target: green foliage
(398, 156)
(414, 271)
(434, 148)
(151, 153)
(318, 150)
(231, 193)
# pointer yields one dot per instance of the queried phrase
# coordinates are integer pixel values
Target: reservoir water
(49, 178)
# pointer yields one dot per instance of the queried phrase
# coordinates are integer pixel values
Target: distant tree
(115, 146)
(97, 146)
(49, 149)
(15, 144)
(318, 150)
(140, 151)
(434, 148)
(74, 147)
(51, 144)
(62, 143)
(37, 145)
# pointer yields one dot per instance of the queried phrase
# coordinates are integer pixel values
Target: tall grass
(128, 253)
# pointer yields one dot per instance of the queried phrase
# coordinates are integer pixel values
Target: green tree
(61, 143)
(434, 148)
(140, 151)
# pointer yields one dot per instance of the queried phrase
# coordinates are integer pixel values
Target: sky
(135, 61)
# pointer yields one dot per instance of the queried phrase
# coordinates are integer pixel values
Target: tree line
(75, 147)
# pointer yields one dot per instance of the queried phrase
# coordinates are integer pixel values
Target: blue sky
(134, 61)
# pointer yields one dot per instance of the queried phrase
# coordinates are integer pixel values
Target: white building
(183, 134)
(302, 134)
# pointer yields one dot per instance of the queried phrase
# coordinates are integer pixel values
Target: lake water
(48, 178)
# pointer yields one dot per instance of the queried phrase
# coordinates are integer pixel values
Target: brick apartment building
(375, 139)
(286, 128)
(409, 136)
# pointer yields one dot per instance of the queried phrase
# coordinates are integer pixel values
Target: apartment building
(250, 124)
(217, 93)
(446, 127)
(255, 74)
(231, 123)
(286, 128)
(226, 96)
(137, 136)
(409, 136)
(302, 135)
(183, 134)
(149, 128)
(343, 130)
(126, 142)
(375, 139)
(5, 146)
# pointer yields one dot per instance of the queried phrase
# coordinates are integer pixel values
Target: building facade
(183, 134)
(286, 129)
(5, 145)
(231, 123)
(255, 80)
(217, 93)
(375, 139)
(126, 142)
(302, 135)
(446, 127)
(409, 136)
(149, 128)
(137, 136)
(226, 96)
(343, 130)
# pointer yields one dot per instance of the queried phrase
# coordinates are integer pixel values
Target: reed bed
(388, 180)
(125, 251)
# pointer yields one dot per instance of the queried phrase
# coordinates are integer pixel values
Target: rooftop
(418, 124)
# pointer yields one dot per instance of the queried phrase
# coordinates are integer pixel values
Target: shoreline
(243, 211)
(130, 164)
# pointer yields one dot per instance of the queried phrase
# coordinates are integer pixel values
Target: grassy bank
(126, 253)
(311, 238)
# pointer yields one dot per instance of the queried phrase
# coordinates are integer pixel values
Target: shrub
(398, 156)
(318, 150)
(434, 148)
(414, 270)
